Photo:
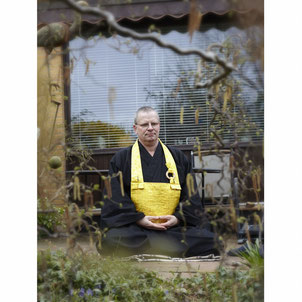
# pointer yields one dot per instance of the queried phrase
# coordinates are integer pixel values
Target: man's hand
(171, 220)
(147, 223)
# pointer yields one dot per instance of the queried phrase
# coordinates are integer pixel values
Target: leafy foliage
(252, 255)
(89, 277)
(49, 216)
(97, 133)
(62, 277)
(255, 262)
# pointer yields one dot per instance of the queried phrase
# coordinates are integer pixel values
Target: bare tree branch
(208, 56)
(54, 235)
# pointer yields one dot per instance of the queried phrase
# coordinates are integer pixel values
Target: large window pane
(111, 78)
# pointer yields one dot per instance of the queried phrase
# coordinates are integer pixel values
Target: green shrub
(255, 262)
(49, 216)
(252, 256)
(89, 277)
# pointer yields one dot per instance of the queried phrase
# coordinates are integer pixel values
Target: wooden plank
(242, 206)
(180, 267)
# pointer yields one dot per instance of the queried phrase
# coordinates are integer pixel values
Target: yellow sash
(154, 199)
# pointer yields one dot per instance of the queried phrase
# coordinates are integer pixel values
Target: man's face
(147, 127)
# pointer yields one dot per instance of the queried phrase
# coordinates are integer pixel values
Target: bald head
(144, 109)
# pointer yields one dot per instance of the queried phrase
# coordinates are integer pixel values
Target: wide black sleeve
(189, 210)
(119, 210)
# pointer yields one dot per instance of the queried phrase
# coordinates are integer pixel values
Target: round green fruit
(55, 162)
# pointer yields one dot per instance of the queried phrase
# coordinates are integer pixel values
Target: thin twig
(208, 56)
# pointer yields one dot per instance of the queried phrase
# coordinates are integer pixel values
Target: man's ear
(134, 128)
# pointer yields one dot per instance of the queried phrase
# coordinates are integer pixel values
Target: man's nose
(150, 126)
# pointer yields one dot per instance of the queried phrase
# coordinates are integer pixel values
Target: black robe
(124, 237)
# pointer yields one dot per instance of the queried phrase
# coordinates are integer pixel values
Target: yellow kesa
(154, 199)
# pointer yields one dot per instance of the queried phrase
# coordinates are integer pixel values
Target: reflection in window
(111, 78)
